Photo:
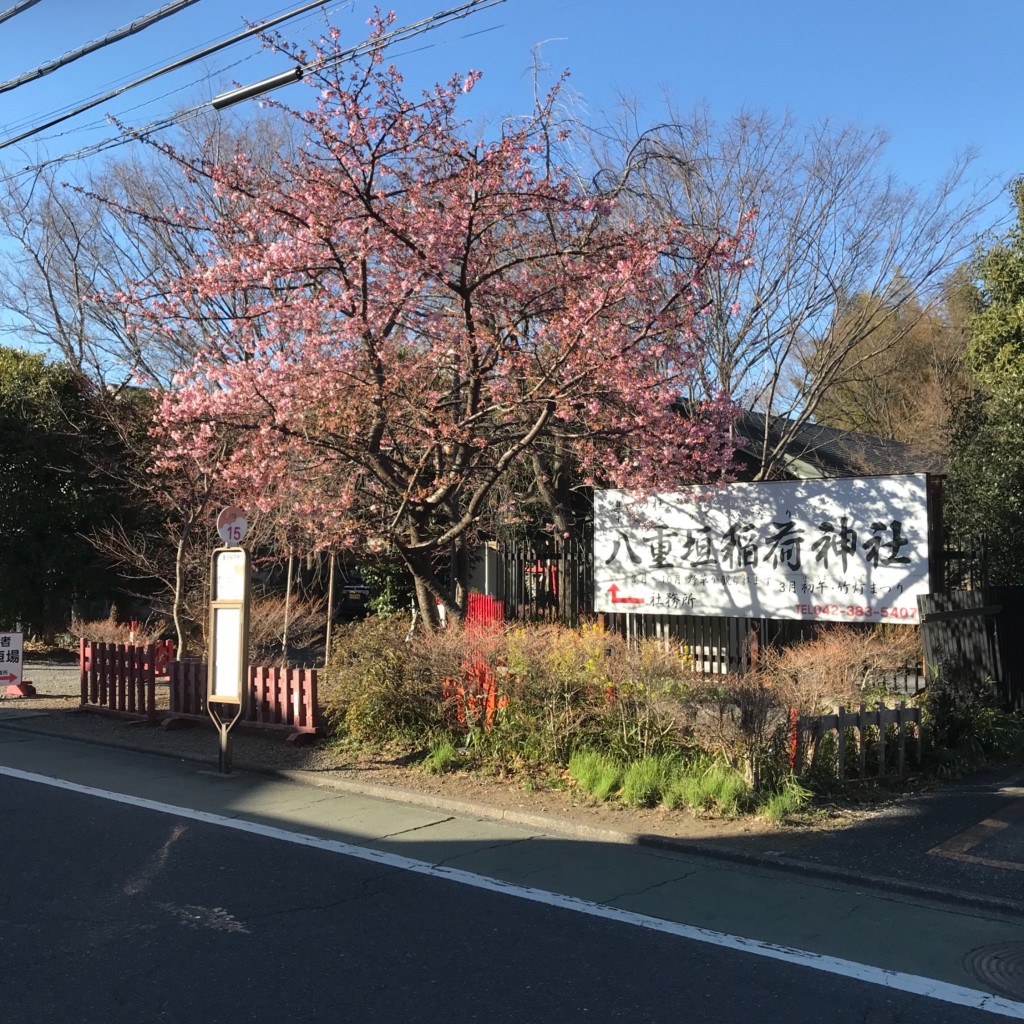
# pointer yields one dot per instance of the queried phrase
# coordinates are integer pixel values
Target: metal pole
(225, 750)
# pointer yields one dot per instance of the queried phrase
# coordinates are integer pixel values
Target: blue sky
(937, 76)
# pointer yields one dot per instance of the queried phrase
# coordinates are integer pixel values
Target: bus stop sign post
(228, 660)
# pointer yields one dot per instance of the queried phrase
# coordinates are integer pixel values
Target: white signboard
(227, 653)
(10, 659)
(852, 550)
(229, 575)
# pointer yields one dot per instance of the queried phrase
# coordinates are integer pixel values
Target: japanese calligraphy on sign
(852, 550)
(10, 660)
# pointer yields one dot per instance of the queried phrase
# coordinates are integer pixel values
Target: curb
(545, 823)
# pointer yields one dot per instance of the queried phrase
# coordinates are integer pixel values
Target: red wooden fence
(187, 689)
(277, 698)
(118, 679)
(283, 697)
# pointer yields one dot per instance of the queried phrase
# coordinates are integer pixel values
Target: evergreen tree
(986, 478)
(51, 495)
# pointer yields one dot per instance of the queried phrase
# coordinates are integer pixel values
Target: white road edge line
(897, 980)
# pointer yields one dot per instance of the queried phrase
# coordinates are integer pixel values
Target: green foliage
(644, 782)
(701, 784)
(954, 699)
(791, 799)
(391, 588)
(964, 725)
(708, 786)
(378, 689)
(52, 452)
(621, 722)
(985, 490)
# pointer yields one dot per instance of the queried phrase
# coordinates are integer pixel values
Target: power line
(368, 46)
(24, 5)
(175, 7)
(177, 65)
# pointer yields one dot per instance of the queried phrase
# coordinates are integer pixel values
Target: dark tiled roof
(834, 452)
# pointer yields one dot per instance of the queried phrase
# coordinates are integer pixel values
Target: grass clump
(599, 774)
(716, 788)
(443, 757)
(789, 800)
(645, 781)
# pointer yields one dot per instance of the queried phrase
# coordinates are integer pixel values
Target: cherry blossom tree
(416, 313)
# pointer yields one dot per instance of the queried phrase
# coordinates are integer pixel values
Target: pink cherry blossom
(404, 315)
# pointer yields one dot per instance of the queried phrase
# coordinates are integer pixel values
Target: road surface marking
(910, 983)
(959, 846)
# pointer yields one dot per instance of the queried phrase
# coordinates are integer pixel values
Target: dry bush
(111, 631)
(561, 689)
(743, 717)
(737, 719)
(307, 623)
(838, 665)
(379, 687)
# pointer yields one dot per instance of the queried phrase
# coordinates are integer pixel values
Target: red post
(794, 736)
(83, 675)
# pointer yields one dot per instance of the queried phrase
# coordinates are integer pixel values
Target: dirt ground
(57, 713)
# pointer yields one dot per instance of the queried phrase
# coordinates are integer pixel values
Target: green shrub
(963, 724)
(714, 787)
(378, 689)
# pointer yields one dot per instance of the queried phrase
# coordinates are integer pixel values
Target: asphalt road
(114, 912)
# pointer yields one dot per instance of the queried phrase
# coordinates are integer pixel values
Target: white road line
(897, 980)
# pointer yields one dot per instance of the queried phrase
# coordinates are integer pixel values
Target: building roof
(819, 451)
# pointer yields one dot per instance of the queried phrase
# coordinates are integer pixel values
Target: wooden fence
(277, 698)
(809, 732)
(119, 679)
(980, 632)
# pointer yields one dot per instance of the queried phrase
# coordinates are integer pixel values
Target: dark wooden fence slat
(117, 679)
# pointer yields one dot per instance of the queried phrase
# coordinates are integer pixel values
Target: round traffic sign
(232, 525)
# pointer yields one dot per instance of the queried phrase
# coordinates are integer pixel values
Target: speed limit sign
(232, 525)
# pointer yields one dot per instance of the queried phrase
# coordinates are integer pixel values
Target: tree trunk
(330, 608)
(287, 605)
(426, 603)
(179, 588)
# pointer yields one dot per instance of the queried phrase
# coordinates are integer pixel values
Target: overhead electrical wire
(24, 5)
(367, 46)
(166, 69)
(175, 7)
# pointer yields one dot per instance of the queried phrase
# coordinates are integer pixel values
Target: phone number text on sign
(855, 611)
